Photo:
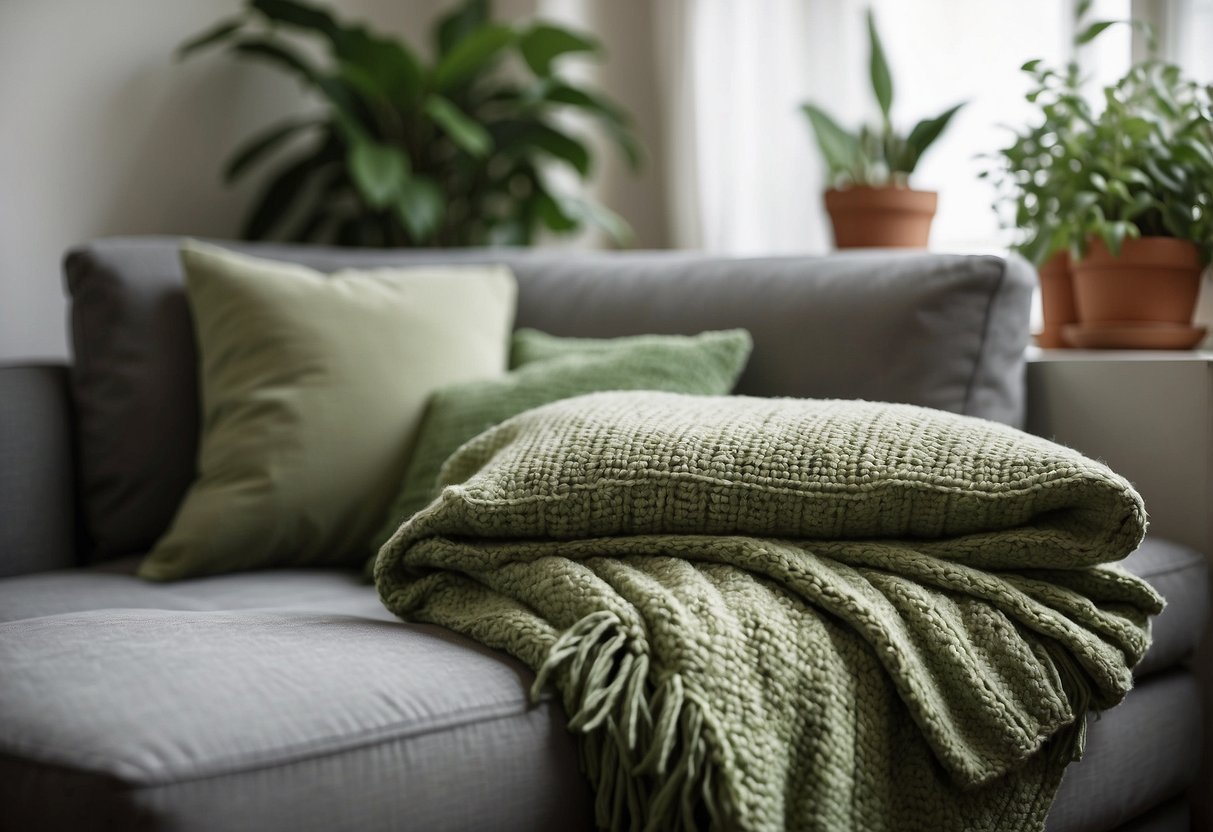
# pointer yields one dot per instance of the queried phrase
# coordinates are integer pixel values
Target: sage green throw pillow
(555, 368)
(312, 388)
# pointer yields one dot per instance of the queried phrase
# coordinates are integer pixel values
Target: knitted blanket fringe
(635, 731)
(778, 614)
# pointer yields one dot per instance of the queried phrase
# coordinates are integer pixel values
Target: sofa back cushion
(943, 331)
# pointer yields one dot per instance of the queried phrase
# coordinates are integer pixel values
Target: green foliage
(874, 155)
(1141, 164)
(451, 151)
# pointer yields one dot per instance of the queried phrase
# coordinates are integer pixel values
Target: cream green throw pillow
(556, 368)
(312, 387)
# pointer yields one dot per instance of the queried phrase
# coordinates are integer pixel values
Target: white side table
(1148, 415)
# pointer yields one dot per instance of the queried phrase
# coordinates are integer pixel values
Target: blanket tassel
(644, 743)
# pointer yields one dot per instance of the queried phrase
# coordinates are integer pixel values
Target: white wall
(103, 133)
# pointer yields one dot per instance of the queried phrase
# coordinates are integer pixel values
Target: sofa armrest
(38, 529)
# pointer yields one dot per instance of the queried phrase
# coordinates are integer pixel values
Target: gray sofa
(291, 699)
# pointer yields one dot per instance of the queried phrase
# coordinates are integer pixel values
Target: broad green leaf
(1198, 150)
(552, 214)
(1114, 234)
(1031, 65)
(464, 131)
(560, 146)
(1169, 181)
(299, 15)
(927, 131)
(324, 210)
(465, 18)
(1135, 176)
(381, 67)
(278, 198)
(542, 43)
(1118, 189)
(471, 54)
(610, 114)
(1084, 200)
(260, 145)
(420, 207)
(361, 81)
(220, 32)
(378, 171)
(597, 105)
(882, 80)
(840, 148)
(1092, 32)
(1081, 9)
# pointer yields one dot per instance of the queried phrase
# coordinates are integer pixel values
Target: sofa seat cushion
(113, 585)
(1178, 573)
(293, 700)
(1181, 576)
(273, 719)
(1140, 754)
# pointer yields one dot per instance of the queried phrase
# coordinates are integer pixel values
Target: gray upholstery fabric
(1175, 816)
(938, 330)
(37, 505)
(114, 586)
(1181, 575)
(1140, 754)
(293, 700)
(260, 720)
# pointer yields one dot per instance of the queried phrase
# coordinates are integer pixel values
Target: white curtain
(742, 173)
(716, 88)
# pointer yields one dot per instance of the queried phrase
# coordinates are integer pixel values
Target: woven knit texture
(555, 368)
(768, 614)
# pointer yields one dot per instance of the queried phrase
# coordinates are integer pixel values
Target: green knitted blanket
(770, 613)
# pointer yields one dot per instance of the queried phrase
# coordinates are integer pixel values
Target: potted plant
(1142, 211)
(870, 202)
(453, 151)
(1126, 193)
(1033, 178)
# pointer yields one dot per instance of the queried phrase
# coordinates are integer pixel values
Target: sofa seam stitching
(984, 341)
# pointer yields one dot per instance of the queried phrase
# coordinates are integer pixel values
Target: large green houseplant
(452, 151)
(869, 200)
(1118, 192)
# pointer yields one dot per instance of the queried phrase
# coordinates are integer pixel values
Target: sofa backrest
(943, 331)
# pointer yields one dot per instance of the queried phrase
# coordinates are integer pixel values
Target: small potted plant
(1125, 193)
(870, 202)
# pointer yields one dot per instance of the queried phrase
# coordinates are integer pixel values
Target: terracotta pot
(1155, 279)
(1056, 300)
(885, 217)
